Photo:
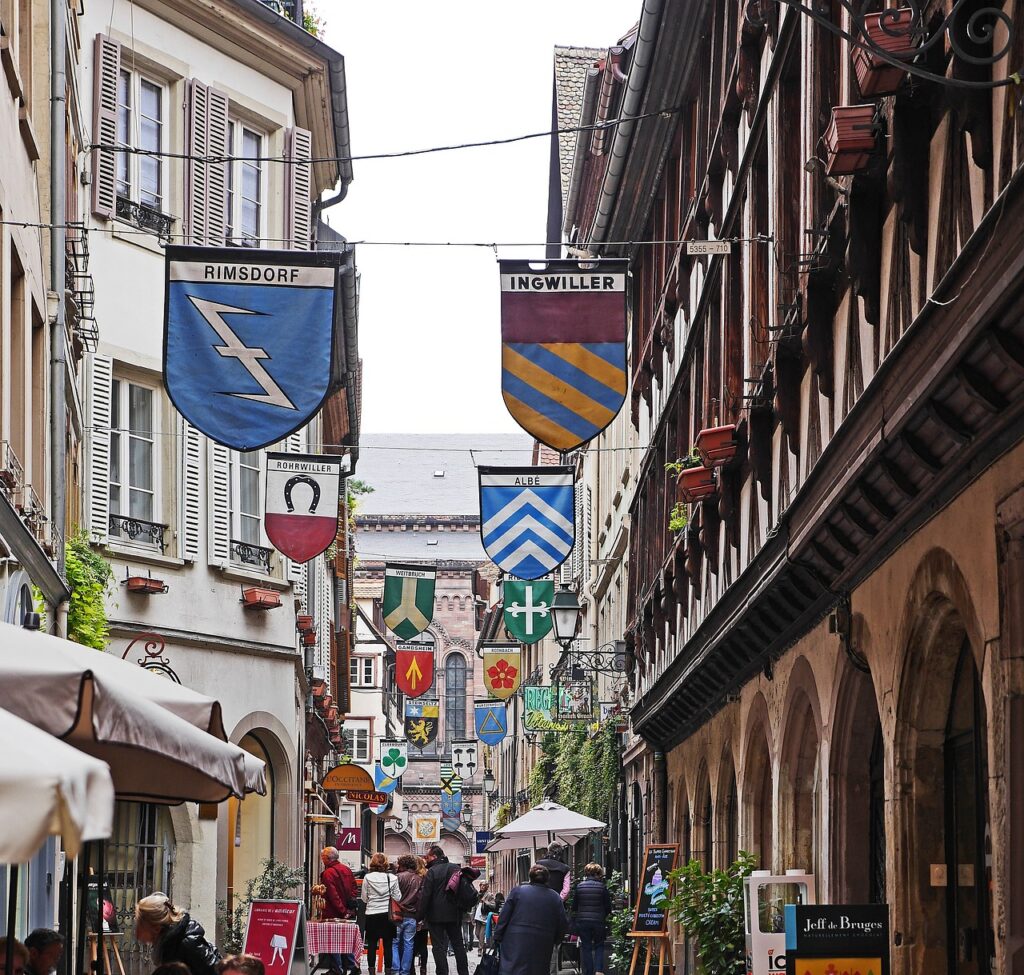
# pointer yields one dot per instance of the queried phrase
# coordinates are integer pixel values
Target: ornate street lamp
(566, 615)
(490, 782)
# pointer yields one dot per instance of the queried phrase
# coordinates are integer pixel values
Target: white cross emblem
(529, 610)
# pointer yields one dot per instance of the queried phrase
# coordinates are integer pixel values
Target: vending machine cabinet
(764, 898)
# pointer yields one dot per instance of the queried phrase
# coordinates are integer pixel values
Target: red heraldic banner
(414, 668)
(302, 503)
(563, 347)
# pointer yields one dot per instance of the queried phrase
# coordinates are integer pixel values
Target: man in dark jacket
(531, 924)
(560, 881)
(441, 914)
(591, 905)
(339, 896)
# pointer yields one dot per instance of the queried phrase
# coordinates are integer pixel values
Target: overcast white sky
(425, 74)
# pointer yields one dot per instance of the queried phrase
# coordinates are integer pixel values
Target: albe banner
(408, 600)
(301, 515)
(464, 755)
(414, 668)
(393, 756)
(490, 718)
(527, 612)
(563, 347)
(421, 723)
(527, 518)
(503, 670)
(249, 339)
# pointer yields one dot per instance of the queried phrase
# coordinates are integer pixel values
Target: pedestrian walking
(532, 922)
(339, 901)
(419, 945)
(591, 905)
(174, 935)
(45, 946)
(410, 883)
(442, 913)
(483, 908)
(560, 881)
(492, 919)
(378, 890)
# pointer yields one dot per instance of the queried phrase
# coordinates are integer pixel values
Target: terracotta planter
(717, 445)
(255, 598)
(146, 585)
(303, 623)
(876, 77)
(324, 702)
(309, 638)
(696, 483)
(850, 139)
(336, 740)
(332, 714)
(319, 691)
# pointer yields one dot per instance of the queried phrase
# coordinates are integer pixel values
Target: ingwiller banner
(563, 351)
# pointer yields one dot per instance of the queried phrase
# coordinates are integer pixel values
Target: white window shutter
(577, 548)
(297, 577)
(191, 491)
(326, 612)
(588, 535)
(216, 173)
(298, 205)
(196, 144)
(218, 461)
(106, 68)
(100, 390)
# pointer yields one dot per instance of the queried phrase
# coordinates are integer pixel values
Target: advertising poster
(837, 939)
(276, 934)
(651, 910)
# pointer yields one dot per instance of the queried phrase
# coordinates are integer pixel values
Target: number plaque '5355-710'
(697, 247)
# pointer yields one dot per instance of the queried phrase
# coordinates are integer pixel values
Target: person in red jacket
(339, 900)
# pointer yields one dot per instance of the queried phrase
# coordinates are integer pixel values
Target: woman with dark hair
(591, 906)
(378, 890)
(409, 882)
(420, 948)
(531, 923)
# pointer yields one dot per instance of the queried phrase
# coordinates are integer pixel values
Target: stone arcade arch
(703, 819)
(800, 774)
(758, 806)
(727, 819)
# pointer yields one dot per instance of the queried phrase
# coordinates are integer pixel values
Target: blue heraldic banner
(249, 339)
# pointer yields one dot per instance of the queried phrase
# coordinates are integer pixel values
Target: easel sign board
(837, 938)
(651, 915)
(276, 934)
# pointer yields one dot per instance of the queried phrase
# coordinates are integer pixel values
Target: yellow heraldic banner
(503, 669)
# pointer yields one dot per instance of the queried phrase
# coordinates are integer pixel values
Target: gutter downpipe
(58, 276)
(636, 82)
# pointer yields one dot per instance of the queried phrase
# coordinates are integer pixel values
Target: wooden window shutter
(191, 491)
(106, 69)
(298, 207)
(218, 459)
(206, 133)
(100, 390)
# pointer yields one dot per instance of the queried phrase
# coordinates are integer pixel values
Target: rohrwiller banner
(249, 339)
(301, 515)
(563, 347)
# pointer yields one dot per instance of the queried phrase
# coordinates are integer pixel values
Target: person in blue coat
(531, 923)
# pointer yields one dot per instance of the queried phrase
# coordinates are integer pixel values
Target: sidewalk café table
(324, 938)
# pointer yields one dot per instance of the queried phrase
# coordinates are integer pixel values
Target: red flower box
(850, 139)
(696, 483)
(717, 445)
(255, 598)
(303, 623)
(324, 702)
(893, 35)
(309, 638)
(146, 585)
(319, 691)
(332, 714)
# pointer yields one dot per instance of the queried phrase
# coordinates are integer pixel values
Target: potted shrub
(716, 446)
(257, 598)
(850, 139)
(895, 36)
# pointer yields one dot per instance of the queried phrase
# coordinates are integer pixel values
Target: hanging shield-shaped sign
(414, 668)
(450, 781)
(451, 823)
(464, 757)
(490, 718)
(426, 828)
(383, 782)
(502, 669)
(394, 756)
(249, 339)
(527, 518)
(451, 803)
(563, 347)
(421, 723)
(408, 600)
(527, 614)
(302, 504)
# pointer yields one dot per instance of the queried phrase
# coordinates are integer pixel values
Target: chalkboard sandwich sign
(651, 915)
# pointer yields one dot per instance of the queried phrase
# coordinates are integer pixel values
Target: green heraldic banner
(408, 603)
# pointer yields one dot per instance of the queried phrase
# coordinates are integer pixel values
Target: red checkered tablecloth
(334, 938)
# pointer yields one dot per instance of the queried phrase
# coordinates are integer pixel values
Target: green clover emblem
(393, 759)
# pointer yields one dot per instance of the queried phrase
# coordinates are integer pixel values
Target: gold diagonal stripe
(555, 388)
(540, 426)
(407, 609)
(593, 365)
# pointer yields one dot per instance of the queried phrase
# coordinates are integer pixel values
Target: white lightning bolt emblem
(248, 357)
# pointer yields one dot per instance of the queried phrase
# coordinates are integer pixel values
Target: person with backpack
(448, 895)
(591, 906)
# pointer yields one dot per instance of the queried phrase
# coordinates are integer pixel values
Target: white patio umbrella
(544, 824)
(163, 742)
(48, 788)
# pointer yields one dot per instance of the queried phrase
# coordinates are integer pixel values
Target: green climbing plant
(542, 773)
(312, 20)
(692, 459)
(620, 923)
(89, 578)
(678, 518)
(503, 816)
(275, 881)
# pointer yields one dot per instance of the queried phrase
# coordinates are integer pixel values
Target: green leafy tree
(709, 906)
(276, 881)
(89, 578)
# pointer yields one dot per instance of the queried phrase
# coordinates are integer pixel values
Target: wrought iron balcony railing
(145, 217)
(12, 474)
(250, 554)
(137, 529)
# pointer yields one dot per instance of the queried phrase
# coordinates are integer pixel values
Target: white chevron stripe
(525, 550)
(527, 497)
(526, 524)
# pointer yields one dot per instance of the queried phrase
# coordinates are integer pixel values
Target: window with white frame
(360, 671)
(244, 499)
(134, 460)
(357, 740)
(141, 124)
(245, 192)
